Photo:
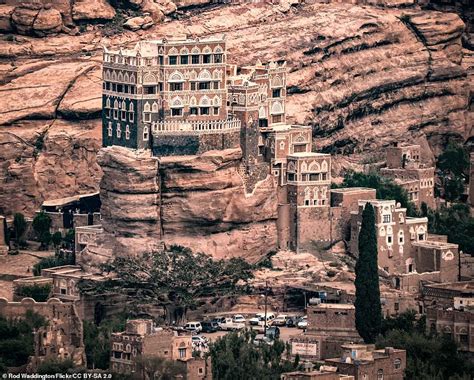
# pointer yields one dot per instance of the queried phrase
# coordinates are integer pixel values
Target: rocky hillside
(363, 77)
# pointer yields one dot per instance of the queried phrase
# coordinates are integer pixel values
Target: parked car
(273, 332)
(269, 321)
(194, 327)
(254, 320)
(199, 339)
(209, 326)
(218, 320)
(291, 322)
(303, 323)
(261, 339)
(280, 320)
(230, 325)
(238, 318)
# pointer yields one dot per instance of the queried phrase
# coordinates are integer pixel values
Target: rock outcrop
(195, 201)
(363, 77)
(92, 10)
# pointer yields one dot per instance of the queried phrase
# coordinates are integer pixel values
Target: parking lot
(285, 333)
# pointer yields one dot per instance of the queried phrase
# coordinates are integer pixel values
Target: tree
(367, 304)
(19, 227)
(453, 165)
(159, 368)
(385, 188)
(41, 226)
(40, 293)
(52, 261)
(175, 279)
(235, 356)
(56, 239)
(53, 366)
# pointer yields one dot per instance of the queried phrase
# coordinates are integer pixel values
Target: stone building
(403, 242)
(141, 339)
(457, 324)
(168, 95)
(61, 338)
(329, 326)
(71, 212)
(365, 363)
(406, 167)
(91, 307)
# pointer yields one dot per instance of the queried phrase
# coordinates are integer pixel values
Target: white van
(254, 320)
(194, 327)
(270, 318)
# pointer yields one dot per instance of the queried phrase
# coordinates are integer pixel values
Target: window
(193, 86)
(386, 218)
(109, 129)
(195, 59)
(204, 110)
(276, 93)
(201, 371)
(160, 59)
(149, 90)
(63, 290)
(306, 202)
(119, 88)
(389, 239)
(173, 60)
(160, 86)
(300, 148)
(193, 111)
(380, 374)
(130, 116)
(277, 118)
(421, 236)
(145, 133)
(215, 85)
(216, 111)
(464, 339)
(181, 353)
(218, 58)
(119, 131)
(184, 60)
(397, 364)
(115, 114)
(146, 117)
(124, 115)
(206, 58)
(324, 176)
(291, 177)
(204, 85)
(176, 111)
(127, 132)
(176, 87)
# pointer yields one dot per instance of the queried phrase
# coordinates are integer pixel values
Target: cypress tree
(368, 311)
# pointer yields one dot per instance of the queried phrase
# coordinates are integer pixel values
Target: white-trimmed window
(127, 132)
(109, 129)
(145, 133)
(119, 131)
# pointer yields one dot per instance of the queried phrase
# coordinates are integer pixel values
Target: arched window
(127, 132)
(262, 114)
(146, 107)
(107, 103)
(184, 51)
(277, 81)
(324, 166)
(277, 108)
(195, 50)
(176, 77)
(216, 101)
(207, 50)
(314, 167)
(205, 101)
(119, 131)
(380, 374)
(291, 167)
(204, 75)
(401, 237)
(154, 107)
(149, 78)
(130, 107)
(109, 129)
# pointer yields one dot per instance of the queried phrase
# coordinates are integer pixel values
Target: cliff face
(196, 201)
(363, 77)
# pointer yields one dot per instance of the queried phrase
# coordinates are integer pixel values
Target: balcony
(187, 127)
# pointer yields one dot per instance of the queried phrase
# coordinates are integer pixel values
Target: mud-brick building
(404, 245)
(3, 235)
(406, 167)
(365, 363)
(330, 325)
(142, 340)
(61, 338)
(452, 323)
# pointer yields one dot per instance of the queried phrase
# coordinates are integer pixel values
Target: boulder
(6, 18)
(48, 21)
(92, 10)
(137, 23)
(158, 8)
(23, 19)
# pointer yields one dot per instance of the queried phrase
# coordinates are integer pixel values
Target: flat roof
(434, 244)
(461, 285)
(67, 200)
(351, 189)
(334, 306)
(308, 154)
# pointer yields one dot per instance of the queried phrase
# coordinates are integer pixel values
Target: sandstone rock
(92, 10)
(48, 21)
(23, 19)
(137, 23)
(83, 100)
(158, 8)
(5, 18)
